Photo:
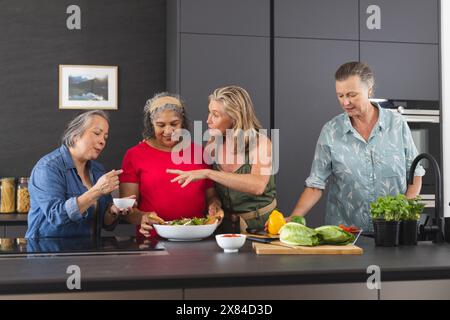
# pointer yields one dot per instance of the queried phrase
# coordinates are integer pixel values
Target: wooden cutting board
(277, 247)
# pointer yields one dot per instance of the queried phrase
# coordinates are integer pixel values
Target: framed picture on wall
(88, 87)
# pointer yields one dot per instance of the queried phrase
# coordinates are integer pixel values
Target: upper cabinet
(399, 20)
(403, 70)
(236, 17)
(326, 19)
(212, 61)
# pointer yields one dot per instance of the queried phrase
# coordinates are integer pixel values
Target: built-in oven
(423, 118)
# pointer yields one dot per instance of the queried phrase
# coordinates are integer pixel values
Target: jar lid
(8, 178)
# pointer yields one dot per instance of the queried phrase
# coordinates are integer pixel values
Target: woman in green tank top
(242, 161)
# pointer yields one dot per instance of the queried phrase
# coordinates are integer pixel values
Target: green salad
(188, 222)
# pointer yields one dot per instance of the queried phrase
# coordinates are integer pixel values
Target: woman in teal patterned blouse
(362, 154)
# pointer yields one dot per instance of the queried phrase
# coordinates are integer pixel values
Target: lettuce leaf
(334, 235)
(297, 234)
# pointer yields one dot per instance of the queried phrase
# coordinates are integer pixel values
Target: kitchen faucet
(436, 228)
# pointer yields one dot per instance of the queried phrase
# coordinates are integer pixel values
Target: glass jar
(6, 244)
(23, 196)
(7, 195)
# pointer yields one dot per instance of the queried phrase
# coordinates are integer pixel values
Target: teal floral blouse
(358, 172)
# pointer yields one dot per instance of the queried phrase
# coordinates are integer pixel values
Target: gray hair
(151, 113)
(78, 126)
(355, 68)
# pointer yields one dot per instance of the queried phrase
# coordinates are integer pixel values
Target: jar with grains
(6, 244)
(23, 196)
(7, 195)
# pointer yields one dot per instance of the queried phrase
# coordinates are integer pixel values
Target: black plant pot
(447, 229)
(386, 233)
(408, 232)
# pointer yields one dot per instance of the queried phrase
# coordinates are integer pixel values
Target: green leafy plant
(415, 209)
(397, 208)
(390, 208)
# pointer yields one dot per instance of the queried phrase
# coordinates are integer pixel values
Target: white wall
(445, 64)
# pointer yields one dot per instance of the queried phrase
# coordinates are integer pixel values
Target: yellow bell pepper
(276, 221)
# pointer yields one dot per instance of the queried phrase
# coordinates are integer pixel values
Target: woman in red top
(144, 169)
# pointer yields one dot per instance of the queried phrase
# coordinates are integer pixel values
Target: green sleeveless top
(239, 202)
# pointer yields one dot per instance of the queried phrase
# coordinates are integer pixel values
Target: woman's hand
(105, 185)
(147, 220)
(186, 177)
(116, 212)
(214, 210)
(108, 182)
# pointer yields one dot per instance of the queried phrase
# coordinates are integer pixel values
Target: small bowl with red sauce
(231, 242)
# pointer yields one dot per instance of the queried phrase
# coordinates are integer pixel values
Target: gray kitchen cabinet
(317, 19)
(399, 20)
(403, 70)
(416, 290)
(335, 291)
(237, 17)
(305, 99)
(161, 294)
(211, 61)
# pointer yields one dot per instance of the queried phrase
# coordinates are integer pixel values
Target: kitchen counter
(204, 265)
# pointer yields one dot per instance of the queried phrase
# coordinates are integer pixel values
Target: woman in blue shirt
(362, 154)
(69, 191)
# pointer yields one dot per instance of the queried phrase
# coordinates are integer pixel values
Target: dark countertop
(21, 219)
(204, 264)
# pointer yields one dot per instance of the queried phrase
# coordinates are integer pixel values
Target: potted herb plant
(408, 223)
(386, 213)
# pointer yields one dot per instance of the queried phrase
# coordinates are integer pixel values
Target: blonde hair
(239, 107)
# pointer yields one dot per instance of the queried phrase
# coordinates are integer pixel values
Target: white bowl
(123, 203)
(231, 242)
(185, 233)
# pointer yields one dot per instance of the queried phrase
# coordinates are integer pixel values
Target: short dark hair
(355, 68)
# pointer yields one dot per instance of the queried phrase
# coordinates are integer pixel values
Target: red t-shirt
(146, 166)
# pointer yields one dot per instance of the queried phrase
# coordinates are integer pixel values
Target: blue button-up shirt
(358, 171)
(54, 186)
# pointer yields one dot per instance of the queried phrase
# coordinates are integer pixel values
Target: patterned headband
(163, 101)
